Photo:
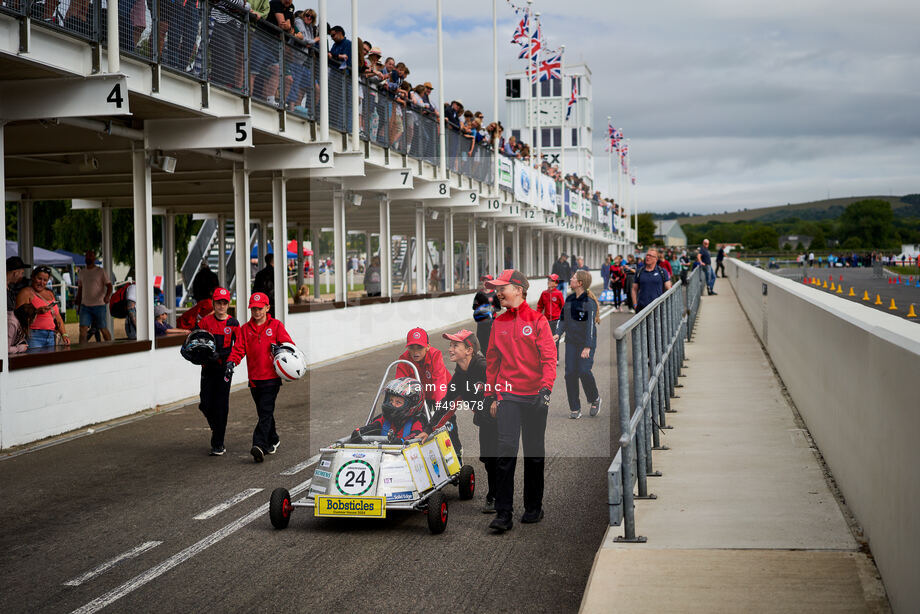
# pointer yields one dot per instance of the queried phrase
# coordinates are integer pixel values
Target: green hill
(816, 210)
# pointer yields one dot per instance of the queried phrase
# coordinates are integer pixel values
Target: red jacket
(663, 263)
(225, 333)
(435, 377)
(522, 353)
(190, 318)
(550, 304)
(254, 343)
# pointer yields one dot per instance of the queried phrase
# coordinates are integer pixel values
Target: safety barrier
(656, 338)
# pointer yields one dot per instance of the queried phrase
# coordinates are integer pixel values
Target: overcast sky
(727, 104)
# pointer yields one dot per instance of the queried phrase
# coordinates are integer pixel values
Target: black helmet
(199, 347)
(410, 390)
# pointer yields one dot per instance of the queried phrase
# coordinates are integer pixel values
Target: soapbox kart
(369, 476)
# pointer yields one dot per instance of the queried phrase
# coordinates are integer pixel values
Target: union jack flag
(614, 136)
(536, 42)
(572, 99)
(551, 68)
(520, 34)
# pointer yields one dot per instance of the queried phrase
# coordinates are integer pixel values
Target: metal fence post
(629, 511)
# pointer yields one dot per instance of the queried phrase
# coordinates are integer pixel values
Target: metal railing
(656, 338)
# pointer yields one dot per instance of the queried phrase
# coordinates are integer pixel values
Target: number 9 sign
(354, 478)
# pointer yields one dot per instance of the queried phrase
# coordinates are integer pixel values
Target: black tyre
(437, 513)
(467, 485)
(280, 508)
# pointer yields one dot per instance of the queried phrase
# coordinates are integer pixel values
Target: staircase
(206, 246)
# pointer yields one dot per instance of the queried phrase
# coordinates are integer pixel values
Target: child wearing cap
(550, 305)
(160, 323)
(485, 306)
(254, 343)
(430, 364)
(215, 390)
(468, 385)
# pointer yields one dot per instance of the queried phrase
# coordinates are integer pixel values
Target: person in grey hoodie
(579, 320)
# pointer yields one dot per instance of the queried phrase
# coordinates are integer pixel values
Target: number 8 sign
(354, 478)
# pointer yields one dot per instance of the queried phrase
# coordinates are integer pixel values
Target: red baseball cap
(485, 277)
(509, 276)
(220, 294)
(554, 277)
(258, 300)
(417, 336)
(463, 336)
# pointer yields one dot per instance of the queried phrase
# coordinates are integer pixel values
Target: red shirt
(254, 343)
(190, 318)
(663, 263)
(550, 304)
(522, 353)
(225, 332)
(435, 377)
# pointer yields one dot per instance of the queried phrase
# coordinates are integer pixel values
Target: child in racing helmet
(402, 417)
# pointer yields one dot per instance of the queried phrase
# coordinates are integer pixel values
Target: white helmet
(289, 362)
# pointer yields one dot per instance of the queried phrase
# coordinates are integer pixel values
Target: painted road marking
(217, 509)
(301, 466)
(130, 554)
(177, 559)
(608, 312)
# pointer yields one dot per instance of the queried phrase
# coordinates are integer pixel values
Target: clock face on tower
(550, 112)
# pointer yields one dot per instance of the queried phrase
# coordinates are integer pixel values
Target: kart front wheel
(280, 508)
(437, 513)
(467, 482)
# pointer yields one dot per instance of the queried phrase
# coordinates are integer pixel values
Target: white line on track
(609, 311)
(177, 559)
(217, 509)
(301, 466)
(89, 575)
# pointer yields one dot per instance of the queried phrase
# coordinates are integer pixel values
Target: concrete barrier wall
(853, 372)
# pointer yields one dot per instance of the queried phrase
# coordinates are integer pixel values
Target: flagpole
(628, 192)
(565, 114)
(536, 61)
(495, 140)
(529, 85)
(442, 135)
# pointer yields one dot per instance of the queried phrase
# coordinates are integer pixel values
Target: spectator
(388, 66)
(630, 269)
(15, 272)
(605, 270)
(581, 265)
(264, 61)
(579, 320)
(341, 49)
(372, 278)
(666, 266)
(306, 23)
(426, 96)
(265, 281)
(550, 305)
(161, 326)
(617, 281)
(485, 306)
(374, 71)
(434, 280)
(204, 283)
(47, 320)
(720, 256)
(94, 289)
(452, 113)
(520, 372)
(226, 42)
(18, 324)
(651, 281)
(303, 295)
(563, 269)
(705, 260)
(510, 146)
(396, 77)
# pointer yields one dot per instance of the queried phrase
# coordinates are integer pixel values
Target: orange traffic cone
(841, 278)
(911, 313)
(866, 295)
(832, 286)
(878, 299)
(851, 292)
(804, 280)
(840, 289)
(824, 286)
(892, 307)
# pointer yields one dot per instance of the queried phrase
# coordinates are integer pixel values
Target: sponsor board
(319, 473)
(403, 495)
(434, 463)
(447, 452)
(413, 456)
(353, 507)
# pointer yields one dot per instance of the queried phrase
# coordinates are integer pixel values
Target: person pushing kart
(257, 342)
(401, 418)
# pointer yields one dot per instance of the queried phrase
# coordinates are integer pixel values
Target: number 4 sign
(66, 97)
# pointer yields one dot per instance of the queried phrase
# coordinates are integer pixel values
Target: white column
(279, 241)
(169, 264)
(263, 244)
(490, 248)
(114, 48)
(241, 241)
(442, 139)
(420, 248)
(222, 250)
(386, 248)
(496, 157)
(449, 260)
(323, 16)
(529, 265)
(542, 269)
(355, 130)
(516, 249)
(473, 254)
(338, 243)
(5, 349)
(314, 241)
(107, 260)
(300, 259)
(143, 243)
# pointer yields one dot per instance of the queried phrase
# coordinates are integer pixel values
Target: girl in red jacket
(255, 341)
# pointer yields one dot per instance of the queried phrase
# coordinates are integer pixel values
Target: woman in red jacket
(520, 372)
(255, 341)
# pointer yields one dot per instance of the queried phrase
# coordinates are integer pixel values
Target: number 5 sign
(199, 133)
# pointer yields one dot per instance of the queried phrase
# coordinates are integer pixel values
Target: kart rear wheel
(280, 508)
(467, 483)
(437, 513)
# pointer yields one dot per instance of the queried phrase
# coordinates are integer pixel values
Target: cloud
(727, 104)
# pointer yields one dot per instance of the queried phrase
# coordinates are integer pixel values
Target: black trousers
(483, 330)
(527, 422)
(630, 280)
(215, 403)
(720, 267)
(265, 435)
(488, 449)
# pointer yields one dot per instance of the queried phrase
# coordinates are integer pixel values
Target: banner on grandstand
(567, 201)
(547, 193)
(524, 188)
(505, 172)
